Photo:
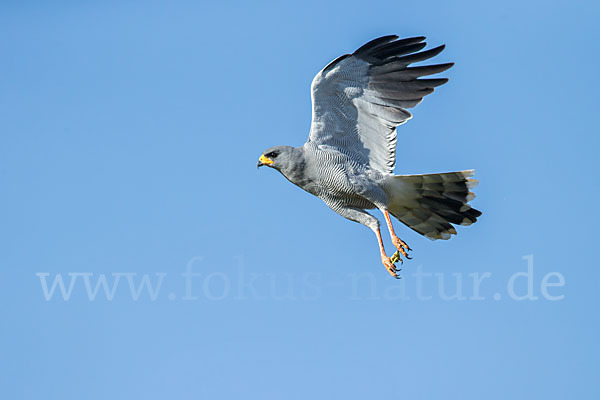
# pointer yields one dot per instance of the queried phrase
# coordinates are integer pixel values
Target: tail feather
(430, 204)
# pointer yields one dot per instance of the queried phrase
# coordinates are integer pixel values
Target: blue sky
(130, 134)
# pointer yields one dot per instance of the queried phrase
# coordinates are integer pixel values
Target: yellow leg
(387, 262)
(398, 243)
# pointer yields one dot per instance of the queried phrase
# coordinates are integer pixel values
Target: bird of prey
(358, 100)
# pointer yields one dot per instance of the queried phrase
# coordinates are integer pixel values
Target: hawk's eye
(271, 154)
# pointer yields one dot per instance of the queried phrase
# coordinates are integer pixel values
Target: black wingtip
(375, 43)
(415, 39)
(335, 62)
(422, 56)
(439, 49)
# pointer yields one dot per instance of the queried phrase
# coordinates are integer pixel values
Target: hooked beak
(263, 161)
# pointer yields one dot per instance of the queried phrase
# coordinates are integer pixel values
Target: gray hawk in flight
(358, 100)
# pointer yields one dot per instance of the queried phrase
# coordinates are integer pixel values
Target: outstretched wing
(359, 99)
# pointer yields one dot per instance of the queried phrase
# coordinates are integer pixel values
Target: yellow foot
(389, 265)
(402, 247)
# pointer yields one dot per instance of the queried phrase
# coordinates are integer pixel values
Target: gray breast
(339, 179)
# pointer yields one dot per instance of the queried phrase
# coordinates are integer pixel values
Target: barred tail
(430, 203)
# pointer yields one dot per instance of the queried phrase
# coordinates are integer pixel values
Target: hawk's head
(278, 157)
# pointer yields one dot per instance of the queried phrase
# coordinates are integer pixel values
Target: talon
(398, 243)
(391, 268)
(401, 250)
(403, 244)
(389, 262)
(393, 273)
(402, 247)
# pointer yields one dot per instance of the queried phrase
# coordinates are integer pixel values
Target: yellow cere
(265, 160)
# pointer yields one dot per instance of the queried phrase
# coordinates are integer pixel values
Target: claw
(402, 251)
(402, 247)
(389, 265)
(403, 244)
(395, 273)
